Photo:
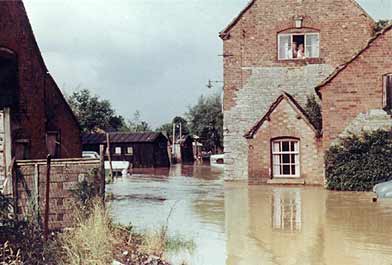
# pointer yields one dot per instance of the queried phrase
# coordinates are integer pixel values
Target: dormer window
(298, 46)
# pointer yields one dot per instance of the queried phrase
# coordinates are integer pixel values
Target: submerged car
(383, 190)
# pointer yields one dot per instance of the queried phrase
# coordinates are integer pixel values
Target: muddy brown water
(237, 224)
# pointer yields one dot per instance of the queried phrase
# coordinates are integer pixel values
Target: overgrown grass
(91, 240)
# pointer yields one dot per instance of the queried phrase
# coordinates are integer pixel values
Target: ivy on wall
(360, 162)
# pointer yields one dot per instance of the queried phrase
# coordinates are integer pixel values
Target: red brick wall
(64, 176)
(356, 89)
(285, 121)
(39, 95)
(344, 30)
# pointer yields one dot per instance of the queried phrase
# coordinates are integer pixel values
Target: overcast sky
(155, 56)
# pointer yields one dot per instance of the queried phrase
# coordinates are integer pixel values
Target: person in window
(301, 52)
(292, 53)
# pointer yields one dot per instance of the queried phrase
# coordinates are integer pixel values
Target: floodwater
(237, 224)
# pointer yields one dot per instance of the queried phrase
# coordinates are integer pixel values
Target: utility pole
(180, 131)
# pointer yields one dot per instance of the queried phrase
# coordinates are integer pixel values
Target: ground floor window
(285, 158)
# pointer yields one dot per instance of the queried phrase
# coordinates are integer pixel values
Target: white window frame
(292, 39)
(279, 153)
(385, 92)
(116, 150)
(129, 150)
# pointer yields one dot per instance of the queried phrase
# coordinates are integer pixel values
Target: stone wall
(64, 175)
(253, 75)
(263, 87)
(286, 121)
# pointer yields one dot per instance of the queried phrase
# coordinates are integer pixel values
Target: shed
(143, 150)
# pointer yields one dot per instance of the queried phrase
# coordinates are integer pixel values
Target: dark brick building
(35, 119)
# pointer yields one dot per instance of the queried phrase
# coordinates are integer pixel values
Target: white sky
(155, 56)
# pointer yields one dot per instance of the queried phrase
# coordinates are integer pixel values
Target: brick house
(35, 119)
(364, 86)
(275, 54)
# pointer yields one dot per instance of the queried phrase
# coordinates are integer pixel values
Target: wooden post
(109, 156)
(101, 173)
(46, 216)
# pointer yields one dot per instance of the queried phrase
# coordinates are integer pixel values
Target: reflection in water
(237, 224)
(286, 209)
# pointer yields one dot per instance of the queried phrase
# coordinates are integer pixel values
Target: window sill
(301, 61)
(286, 181)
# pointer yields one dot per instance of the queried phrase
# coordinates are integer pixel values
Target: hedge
(360, 162)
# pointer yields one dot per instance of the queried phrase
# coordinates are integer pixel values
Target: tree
(138, 125)
(313, 109)
(94, 113)
(167, 128)
(206, 121)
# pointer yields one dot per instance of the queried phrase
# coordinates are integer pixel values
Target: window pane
(284, 46)
(296, 147)
(276, 147)
(286, 158)
(286, 169)
(130, 150)
(293, 159)
(312, 45)
(117, 150)
(285, 146)
(293, 170)
(276, 170)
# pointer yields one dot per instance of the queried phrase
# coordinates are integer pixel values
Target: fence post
(46, 217)
(101, 173)
(109, 156)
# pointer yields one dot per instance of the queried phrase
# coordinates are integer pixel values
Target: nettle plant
(360, 162)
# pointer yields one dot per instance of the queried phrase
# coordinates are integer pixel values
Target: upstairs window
(296, 46)
(388, 92)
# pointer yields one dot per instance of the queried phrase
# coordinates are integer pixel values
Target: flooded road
(234, 224)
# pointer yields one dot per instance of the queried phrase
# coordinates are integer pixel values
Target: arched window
(285, 158)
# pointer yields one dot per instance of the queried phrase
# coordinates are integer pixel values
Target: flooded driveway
(234, 224)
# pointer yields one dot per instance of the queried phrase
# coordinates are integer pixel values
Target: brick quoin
(41, 107)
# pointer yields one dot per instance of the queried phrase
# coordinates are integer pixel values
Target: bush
(313, 109)
(360, 162)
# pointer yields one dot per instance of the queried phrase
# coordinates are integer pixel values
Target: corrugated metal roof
(100, 138)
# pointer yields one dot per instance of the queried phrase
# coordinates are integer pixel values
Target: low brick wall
(30, 186)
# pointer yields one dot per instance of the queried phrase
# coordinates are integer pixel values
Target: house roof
(120, 137)
(18, 8)
(340, 68)
(266, 117)
(224, 33)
